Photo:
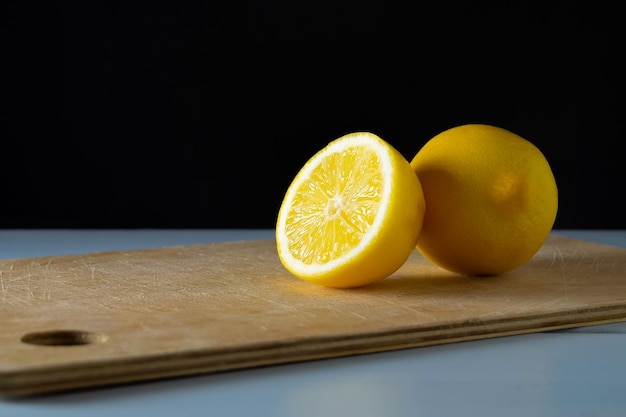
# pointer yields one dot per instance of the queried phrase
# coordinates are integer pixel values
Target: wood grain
(89, 320)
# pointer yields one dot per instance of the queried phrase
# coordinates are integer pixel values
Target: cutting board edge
(52, 379)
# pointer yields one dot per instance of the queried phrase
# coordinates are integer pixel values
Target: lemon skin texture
(491, 199)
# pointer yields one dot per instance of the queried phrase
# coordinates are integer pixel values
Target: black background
(197, 114)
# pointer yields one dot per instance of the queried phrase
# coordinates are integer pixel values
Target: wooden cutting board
(94, 319)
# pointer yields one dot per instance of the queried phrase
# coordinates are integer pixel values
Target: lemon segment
(352, 214)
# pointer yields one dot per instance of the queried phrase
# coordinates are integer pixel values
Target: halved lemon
(352, 215)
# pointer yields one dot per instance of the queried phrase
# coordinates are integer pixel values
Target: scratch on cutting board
(595, 264)
(557, 255)
(409, 308)
(47, 282)
(598, 263)
(91, 268)
(612, 268)
(25, 287)
(3, 288)
(354, 313)
(280, 304)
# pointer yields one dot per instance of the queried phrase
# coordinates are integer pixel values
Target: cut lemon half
(352, 215)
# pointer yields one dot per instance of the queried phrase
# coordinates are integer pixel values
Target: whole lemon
(491, 199)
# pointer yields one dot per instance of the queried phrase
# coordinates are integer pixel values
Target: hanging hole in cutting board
(63, 338)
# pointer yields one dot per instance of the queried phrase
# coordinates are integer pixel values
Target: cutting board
(89, 320)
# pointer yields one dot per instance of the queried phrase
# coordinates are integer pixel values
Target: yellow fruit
(352, 215)
(491, 199)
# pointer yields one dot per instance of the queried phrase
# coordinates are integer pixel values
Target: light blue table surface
(568, 373)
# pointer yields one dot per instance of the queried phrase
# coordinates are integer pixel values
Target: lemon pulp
(352, 215)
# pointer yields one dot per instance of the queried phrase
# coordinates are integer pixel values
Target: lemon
(352, 214)
(491, 199)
